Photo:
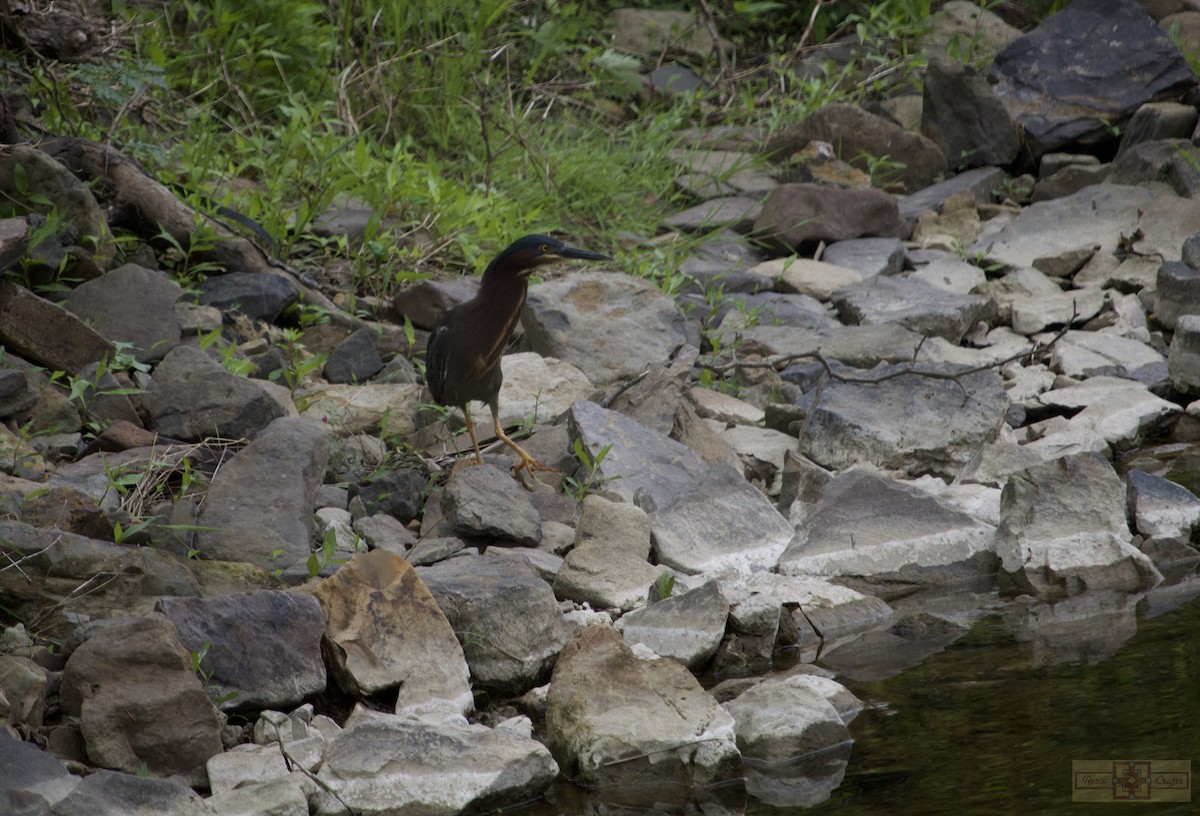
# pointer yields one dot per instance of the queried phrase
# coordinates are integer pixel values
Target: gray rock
(783, 718)
(867, 526)
(539, 389)
(832, 611)
(192, 396)
(16, 395)
(960, 23)
(913, 304)
(354, 360)
(277, 797)
(388, 764)
(639, 461)
(964, 117)
(384, 532)
(362, 602)
(138, 701)
(1081, 354)
(1178, 293)
(1094, 216)
(1063, 531)
(1158, 120)
(1161, 509)
(687, 627)
(907, 422)
(651, 32)
(795, 215)
(981, 183)
(106, 793)
(643, 727)
(483, 502)
(262, 649)
(258, 295)
(425, 302)
(23, 690)
(859, 346)
(1069, 180)
(945, 271)
(867, 256)
(608, 325)
(739, 311)
(507, 618)
(30, 773)
(1167, 163)
(260, 503)
(1117, 411)
(1092, 64)
(721, 261)
(719, 521)
(131, 304)
(605, 577)
(732, 212)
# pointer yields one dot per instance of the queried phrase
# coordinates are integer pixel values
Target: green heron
(462, 360)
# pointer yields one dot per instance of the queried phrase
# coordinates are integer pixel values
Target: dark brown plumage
(462, 360)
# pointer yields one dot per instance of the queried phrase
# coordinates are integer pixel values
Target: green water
(990, 725)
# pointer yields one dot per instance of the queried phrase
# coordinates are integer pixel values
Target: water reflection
(974, 712)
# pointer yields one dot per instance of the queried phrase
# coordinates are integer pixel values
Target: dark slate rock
(264, 647)
(1158, 120)
(1183, 358)
(1069, 180)
(798, 214)
(47, 334)
(16, 396)
(482, 501)
(260, 503)
(1168, 161)
(905, 422)
(354, 360)
(424, 303)
(131, 304)
(192, 396)
(1191, 250)
(259, 295)
(914, 304)
(859, 136)
(964, 117)
(1090, 65)
(107, 793)
(398, 493)
(1178, 292)
(505, 598)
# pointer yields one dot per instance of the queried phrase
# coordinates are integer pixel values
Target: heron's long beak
(581, 254)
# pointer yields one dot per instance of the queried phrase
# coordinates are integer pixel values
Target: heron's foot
(530, 465)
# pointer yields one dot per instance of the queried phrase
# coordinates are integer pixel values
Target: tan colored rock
(384, 629)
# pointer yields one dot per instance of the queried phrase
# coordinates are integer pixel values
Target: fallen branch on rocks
(136, 201)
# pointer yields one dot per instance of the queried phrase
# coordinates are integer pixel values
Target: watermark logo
(1131, 780)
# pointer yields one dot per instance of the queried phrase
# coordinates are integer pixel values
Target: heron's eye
(545, 248)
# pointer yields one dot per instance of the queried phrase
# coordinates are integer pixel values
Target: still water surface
(990, 724)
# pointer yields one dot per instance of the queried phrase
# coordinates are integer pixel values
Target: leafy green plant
(212, 689)
(589, 481)
(663, 586)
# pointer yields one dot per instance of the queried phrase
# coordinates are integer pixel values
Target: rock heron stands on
(462, 360)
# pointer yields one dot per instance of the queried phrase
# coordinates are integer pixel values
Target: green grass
(459, 124)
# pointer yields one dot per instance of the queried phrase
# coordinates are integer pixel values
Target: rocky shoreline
(252, 581)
